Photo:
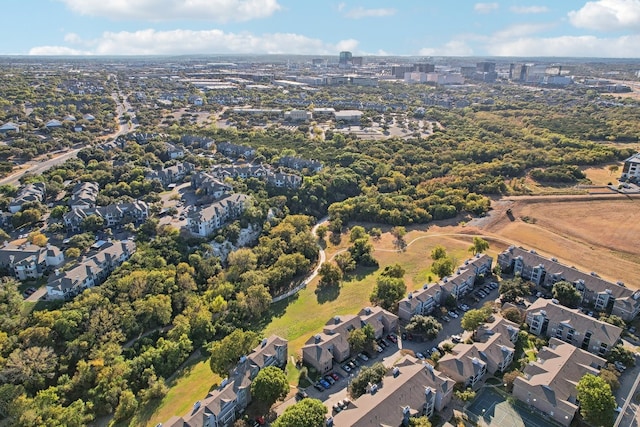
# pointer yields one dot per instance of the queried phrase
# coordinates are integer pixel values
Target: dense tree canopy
(597, 403)
(305, 413)
(269, 386)
(566, 294)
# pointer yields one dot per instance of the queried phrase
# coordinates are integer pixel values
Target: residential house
(546, 318)
(207, 185)
(425, 300)
(91, 271)
(172, 174)
(225, 404)
(29, 193)
(88, 117)
(604, 295)
(411, 388)
(115, 215)
(549, 382)
(332, 344)
(174, 152)
(84, 195)
(197, 141)
(53, 124)
(29, 261)
(243, 171)
(205, 221)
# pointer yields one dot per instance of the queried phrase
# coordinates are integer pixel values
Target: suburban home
(113, 215)
(91, 271)
(549, 383)
(29, 261)
(172, 174)
(53, 124)
(173, 151)
(613, 298)
(547, 318)
(225, 404)
(84, 195)
(205, 221)
(35, 192)
(425, 300)
(286, 180)
(88, 117)
(332, 344)
(208, 185)
(197, 141)
(410, 389)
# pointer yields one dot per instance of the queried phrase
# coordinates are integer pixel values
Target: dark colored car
(301, 394)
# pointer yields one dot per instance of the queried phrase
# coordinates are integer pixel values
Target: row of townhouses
(172, 174)
(29, 261)
(263, 172)
(29, 193)
(604, 295)
(225, 404)
(89, 272)
(206, 184)
(113, 215)
(431, 296)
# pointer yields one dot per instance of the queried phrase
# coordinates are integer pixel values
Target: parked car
(392, 338)
(410, 337)
(324, 384)
(456, 338)
(446, 318)
(318, 386)
(453, 314)
(329, 379)
(621, 367)
(344, 402)
(363, 357)
(354, 363)
(383, 342)
(493, 285)
(420, 356)
(301, 394)
(336, 407)
(346, 367)
(632, 330)
(335, 376)
(404, 335)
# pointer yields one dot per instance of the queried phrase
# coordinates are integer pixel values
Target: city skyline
(599, 28)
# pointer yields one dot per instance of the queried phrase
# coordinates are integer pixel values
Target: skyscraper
(345, 59)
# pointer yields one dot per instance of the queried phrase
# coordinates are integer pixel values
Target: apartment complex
(411, 388)
(547, 318)
(332, 344)
(604, 295)
(115, 215)
(631, 168)
(549, 383)
(29, 261)
(459, 284)
(225, 404)
(207, 220)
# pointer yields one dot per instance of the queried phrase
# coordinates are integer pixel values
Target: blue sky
(579, 28)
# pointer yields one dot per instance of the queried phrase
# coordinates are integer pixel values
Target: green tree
(361, 338)
(597, 403)
(127, 406)
(4, 236)
(72, 253)
(93, 223)
(473, 318)
(465, 395)
(321, 231)
(513, 314)
(611, 376)
(438, 252)
(226, 352)
(426, 326)
(305, 413)
(419, 422)
(330, 274)
(511, 290)
(357, 232)
(443, 267)
(345, 262)
(613, 169)
(398, 232)
(30, 367)
(388, 292)
(479, 245)
(269, 386)
(566, 294)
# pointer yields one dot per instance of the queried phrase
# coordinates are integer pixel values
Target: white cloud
(528, 9)
(152, 42)
(607, 15)
(485, 7)
(452, 48)
(574, 46)
(161, 10)
(360, 12)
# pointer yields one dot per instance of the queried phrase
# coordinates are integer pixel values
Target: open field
(594, 234)
(602, 175)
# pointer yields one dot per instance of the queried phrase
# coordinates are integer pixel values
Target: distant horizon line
(310, 55)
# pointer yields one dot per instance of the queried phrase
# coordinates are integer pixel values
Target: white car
(453, 314)
(420, 356)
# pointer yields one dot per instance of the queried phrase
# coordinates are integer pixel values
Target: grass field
(594, 235)
(602, 175)
(190, 385)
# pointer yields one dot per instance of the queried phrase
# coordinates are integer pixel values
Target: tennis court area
(495, 411)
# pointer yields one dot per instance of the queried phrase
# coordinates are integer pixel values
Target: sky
(532, 28)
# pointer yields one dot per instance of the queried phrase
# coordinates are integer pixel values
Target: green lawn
(189, 386)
